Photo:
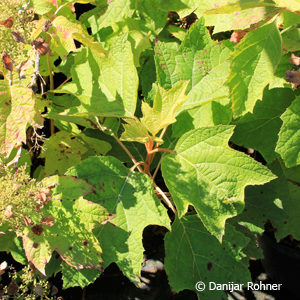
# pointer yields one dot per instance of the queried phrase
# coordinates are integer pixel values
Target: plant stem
(155, 150)
(51, 88)
(103, 128)
(165, 198)
(157, 168)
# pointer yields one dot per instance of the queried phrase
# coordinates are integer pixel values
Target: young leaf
(70, 232)
(130, 198)
(260, 129)
(209, 175)
(19, 108)
(165, 105)
(257, 54)
(288, 145)
(135, 131)
(193, 255)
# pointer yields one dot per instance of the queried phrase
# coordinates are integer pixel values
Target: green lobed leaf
(259, 130)
(70, 231)
(209, 114)
(213, 176)
(193, 255)
(109, 85)
(257, 54)
(19, 108)
(135, 131)
(198, 59)
(288, 145)
(130, 198)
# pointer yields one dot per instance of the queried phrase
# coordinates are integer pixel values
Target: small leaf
(165, 105)
(67, 31)
(135, 131)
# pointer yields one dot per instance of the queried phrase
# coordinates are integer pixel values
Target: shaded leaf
(131, 200)
(193, 255)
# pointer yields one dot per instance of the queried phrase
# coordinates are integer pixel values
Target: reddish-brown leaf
(12, 288)
(293, 77)
(295, 60)
(46, 25)
(7, 62)
(48, 221)
(17, 36)
(8, 23)
(37, 229)
(41, 46)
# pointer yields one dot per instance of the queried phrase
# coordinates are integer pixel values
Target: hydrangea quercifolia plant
(149, 86)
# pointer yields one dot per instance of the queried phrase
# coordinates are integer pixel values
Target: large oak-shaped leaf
(130, 198)
(66, 226)
(252, 67)
(194, 255)
(209, 175)
(105, 86)
(18, 109)
(200, 60)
